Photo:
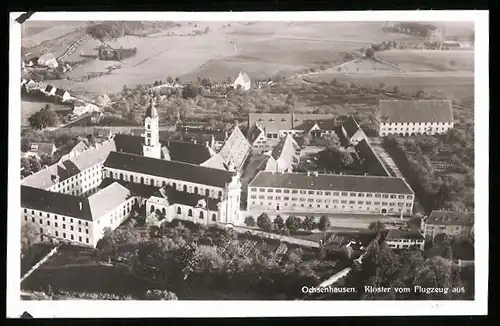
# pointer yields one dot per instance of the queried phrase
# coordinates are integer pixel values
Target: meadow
(261, 49)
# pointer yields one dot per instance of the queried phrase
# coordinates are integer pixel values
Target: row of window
(361, 208)
(413, 129)
(201, 215)
(414, 123)
(185, 188)
(328, 193)
(71, 227)
(49, 215)
(64, 236)
(334, 201)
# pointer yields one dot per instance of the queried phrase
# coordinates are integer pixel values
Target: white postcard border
(76, 309)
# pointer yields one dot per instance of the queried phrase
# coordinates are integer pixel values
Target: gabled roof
(107, 199)
(286, 150)
(54, 202)
(396, 234)
(215, 162)
(299, 118)
(450, 218)
(60, 92)
(136, 189)
(389, 185)
(168, 169)
(271, 122)
(415, 111)
(243, 78)
(236, 148)
(188, 152)
(350, 126)
(181, 151)
(42, 148)
(255, 132)
(370, 160)
(49, 88)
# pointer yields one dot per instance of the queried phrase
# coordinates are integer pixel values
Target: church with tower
(77, 199)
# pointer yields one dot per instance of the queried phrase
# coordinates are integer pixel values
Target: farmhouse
(242, 81)
(410, 117)
(63, 95)
(48, 60)
(453, 224)
(276, 125)
(352, 131)
(328, 194)
(404, 239)
(50, 90)
(42, 148)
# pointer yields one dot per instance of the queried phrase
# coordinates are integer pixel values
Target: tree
(206, 82)
(249, 221)
(264, 222)
(370, 53)
(382, 86)
(28, 236)
(308, 223)
(332, 140)
(324, 223)
(377, 226)
(279, 223)
(190, 91)
(437, 272)
(177, 80)
(44, 118)
(170, 80)
(293, 223)
(207, 29)
(306, 140)
(420, 94)
(346, 159)
(291, 100)
(160, 295)
(395, 90)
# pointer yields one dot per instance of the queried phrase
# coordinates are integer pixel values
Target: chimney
(81, 205)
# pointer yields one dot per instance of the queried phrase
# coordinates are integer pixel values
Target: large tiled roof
(450, 218)
(331, 182)
(107, 199)
(254, 133)
(136, 189)
(188, 152)
(271, 122)
(168, 169)
(415, 111)
(215, 162)
(179, 151)
(404, 234)
(372, 164)
(236, 148)
(350, 126)
(184, 198)
(54, 202)
(60, 92)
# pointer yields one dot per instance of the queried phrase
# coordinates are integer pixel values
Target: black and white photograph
(243, 164)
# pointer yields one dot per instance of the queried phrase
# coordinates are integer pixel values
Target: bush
(264, 222)
(324, 223)
(249, 221)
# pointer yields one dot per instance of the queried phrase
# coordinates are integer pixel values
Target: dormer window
(283, 119)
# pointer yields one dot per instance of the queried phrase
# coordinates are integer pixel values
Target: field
(429, 60)
(261, 49)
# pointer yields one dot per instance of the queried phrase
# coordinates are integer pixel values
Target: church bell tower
(151, 146)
